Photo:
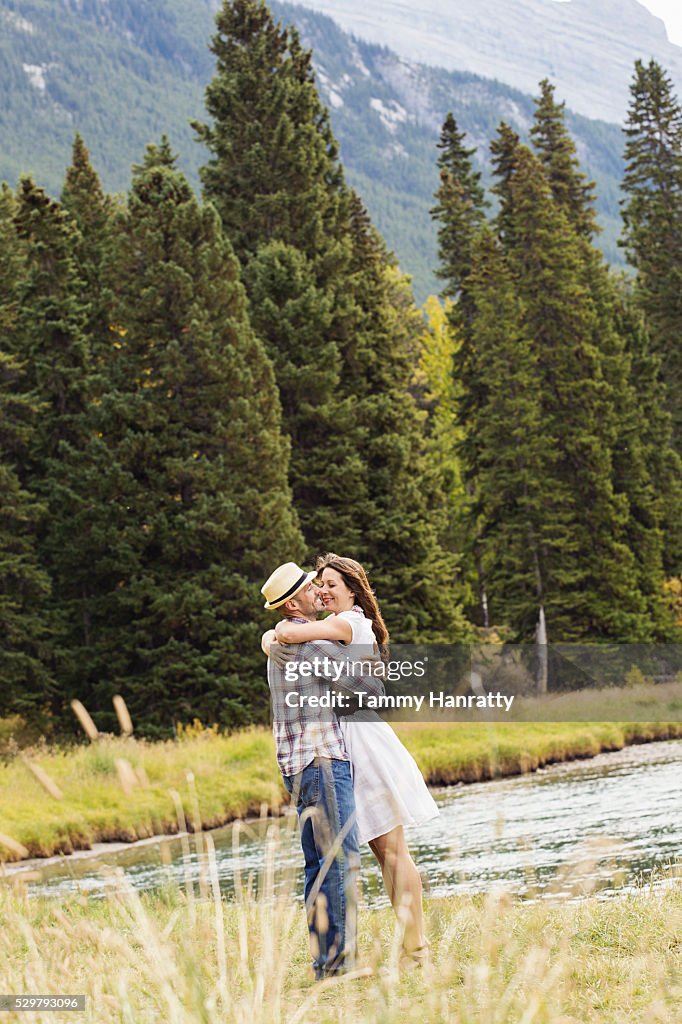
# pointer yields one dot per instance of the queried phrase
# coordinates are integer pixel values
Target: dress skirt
(389, 788)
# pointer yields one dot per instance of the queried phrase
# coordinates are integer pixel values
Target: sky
(671, 13)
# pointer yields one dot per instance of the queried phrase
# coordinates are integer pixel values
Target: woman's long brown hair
(355, 578)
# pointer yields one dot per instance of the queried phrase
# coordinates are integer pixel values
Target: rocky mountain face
(586, 47)
(123, 71)
(388, 111)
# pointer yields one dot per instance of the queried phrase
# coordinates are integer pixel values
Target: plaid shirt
(301, 734)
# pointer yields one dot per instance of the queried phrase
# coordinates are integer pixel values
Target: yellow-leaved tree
(436, 389)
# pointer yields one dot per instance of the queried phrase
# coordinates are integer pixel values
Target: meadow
(189, 957)
(186, 954)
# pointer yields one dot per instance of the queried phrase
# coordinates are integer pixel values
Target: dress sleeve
(355, 620)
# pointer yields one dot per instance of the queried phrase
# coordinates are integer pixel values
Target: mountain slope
(387, 113)
(123, 71)
(586, 47)
(119, 71)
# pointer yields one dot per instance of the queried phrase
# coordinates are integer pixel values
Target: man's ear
(291, 608)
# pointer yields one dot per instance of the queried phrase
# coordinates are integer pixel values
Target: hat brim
(278, 604)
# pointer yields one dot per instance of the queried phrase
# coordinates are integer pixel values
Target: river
(603, 824)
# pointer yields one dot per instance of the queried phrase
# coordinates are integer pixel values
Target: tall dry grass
(187, 956)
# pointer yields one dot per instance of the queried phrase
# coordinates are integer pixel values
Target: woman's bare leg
(403, 884)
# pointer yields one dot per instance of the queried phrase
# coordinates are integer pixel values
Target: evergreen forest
(199, 382)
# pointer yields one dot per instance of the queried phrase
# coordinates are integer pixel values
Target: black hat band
(292, 590)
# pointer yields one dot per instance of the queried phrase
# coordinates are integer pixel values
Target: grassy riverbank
(60, 800)
(477, 753)
(179, 958)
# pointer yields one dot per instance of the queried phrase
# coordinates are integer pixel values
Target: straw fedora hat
(285, 583)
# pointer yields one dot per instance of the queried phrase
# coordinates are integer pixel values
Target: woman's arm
(332, 628)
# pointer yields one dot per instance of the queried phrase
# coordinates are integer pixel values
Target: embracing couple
(350, 777)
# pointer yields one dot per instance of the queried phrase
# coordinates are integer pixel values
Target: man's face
(308, 601)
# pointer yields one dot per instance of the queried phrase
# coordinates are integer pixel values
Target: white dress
(388, 786)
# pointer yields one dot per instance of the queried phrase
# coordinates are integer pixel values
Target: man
(316, 770)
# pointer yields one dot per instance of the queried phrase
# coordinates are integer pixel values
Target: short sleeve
(356, 620)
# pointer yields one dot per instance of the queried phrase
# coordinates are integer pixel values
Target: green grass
(448, 754)
(122, 788)
(232, 777)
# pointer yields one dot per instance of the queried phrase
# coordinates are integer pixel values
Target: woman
(389, 789)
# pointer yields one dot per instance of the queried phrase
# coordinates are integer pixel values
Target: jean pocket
(309, 786)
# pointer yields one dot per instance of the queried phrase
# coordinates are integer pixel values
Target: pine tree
(274, 173)
(652, 214)
(26, 684)
(276, 181)
(636, 466)
(193, 427)
(340, 353)
(49, 337)
(504, 151)
(92, 624)
(11, 264)
(460, 210)
(519, 516)
(295, 315)
(84, 198)
(631, 476)
(650, 423)
(404, 514)
(592, 588)
(50, 327)
(556, 150)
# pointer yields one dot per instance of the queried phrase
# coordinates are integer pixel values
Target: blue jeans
(323, 793)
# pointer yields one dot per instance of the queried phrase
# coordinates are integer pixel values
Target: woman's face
(336, 595)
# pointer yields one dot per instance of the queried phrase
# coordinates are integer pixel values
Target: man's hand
(281, 654)
(266, 640)
(278, 652)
